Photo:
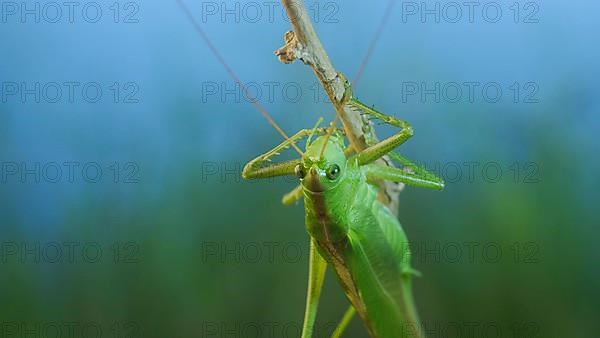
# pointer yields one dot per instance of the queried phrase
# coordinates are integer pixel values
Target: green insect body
(350, 230)
(357, 235)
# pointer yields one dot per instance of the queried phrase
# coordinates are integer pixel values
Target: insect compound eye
(300, 172)
(333, 172)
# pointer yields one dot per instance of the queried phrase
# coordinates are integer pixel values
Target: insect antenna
(233, 75)
(314, 130)
(274, 124)
(329, 132)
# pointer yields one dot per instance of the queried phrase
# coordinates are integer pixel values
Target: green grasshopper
(350, 229)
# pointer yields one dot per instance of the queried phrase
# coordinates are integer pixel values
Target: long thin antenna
(373, 42)
(214, 50)
(313, 131)
(329, 132)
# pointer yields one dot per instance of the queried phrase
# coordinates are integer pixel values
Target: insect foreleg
(406, 163)
(316, 276)
(417, 170)
(380, 149)
(257, 169)
(349, 151)
(379, 172)
(293, 196)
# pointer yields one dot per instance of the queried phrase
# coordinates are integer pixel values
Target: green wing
(378, 258)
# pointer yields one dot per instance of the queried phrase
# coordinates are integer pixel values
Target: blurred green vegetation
(191, 250)
(220, 251)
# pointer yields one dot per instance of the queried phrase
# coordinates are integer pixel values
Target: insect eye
(333, 172)
(300, 172)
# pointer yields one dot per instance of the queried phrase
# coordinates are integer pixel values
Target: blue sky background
(175, 129)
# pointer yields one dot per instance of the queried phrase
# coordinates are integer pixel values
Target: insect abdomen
(376, 257)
